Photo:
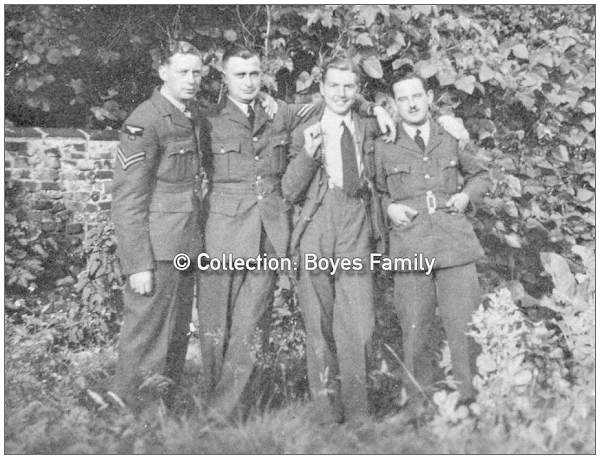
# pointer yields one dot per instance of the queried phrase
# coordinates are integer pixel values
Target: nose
(190, 78)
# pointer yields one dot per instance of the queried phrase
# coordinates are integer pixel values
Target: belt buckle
(431, 202)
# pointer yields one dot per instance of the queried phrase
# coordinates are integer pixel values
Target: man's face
(181, 76)
(242, 77)
(339, 89)
(412, 101)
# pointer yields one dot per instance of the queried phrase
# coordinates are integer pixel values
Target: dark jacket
(404, 174)
(154, 208)
(306, 180)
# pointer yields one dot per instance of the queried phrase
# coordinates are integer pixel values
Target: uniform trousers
(154, 335)
(456, 291)
(338, 309)
(230, 306)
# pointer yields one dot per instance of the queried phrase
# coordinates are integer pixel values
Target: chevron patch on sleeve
(305, 109)
(127, 162)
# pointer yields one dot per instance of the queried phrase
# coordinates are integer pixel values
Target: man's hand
(459, 201)
(386, 124)
(141, 282)
(455, 127)
(401, 214)
(268, 103)
(312, 139)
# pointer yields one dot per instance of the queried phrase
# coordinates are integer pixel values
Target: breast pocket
(225, 156)
(398, 180)
(180, 161)
(279, 153)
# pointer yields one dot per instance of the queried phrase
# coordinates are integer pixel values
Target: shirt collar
(243, 107)
(177, 104)
(411, 129)
(334, 118)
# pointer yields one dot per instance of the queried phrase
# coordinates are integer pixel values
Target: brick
(96, 154)
(79, 146)
(104, 205)
(85, 165)
(49, 225)
(77, 156)
(46, 175)
(6, 174)
(91, 207)
(21, 161)
(41, 204)
(24, 174)
(58, 206)
(81, 196)
(20, 147)
(7, 163)
(32, 185)
(74, 228)
(69, 175)
(50, 186)
(53, 151)
(68, 162)
(103, 175)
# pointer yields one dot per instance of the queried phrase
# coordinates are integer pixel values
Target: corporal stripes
(126, 162)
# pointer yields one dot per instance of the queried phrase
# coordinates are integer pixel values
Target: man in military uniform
(333, 157)
(247, 216)
(427, 182)
(155, 210)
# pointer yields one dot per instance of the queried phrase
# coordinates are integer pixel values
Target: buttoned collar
(411, 130)
(243, 107)
(181, 107)
(333, 119)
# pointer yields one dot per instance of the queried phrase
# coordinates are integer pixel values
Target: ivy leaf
(77, 86)
(364, 39)
(513, 240)
(558, 268)
(230, 35)
(485, 73)
(372, 67)
(54, 56)
(587, 107)
(426, 69)
(368, 14)
(520, 51)
(466, 84)
(33, 58)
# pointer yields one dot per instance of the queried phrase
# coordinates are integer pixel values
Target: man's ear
(430, 96)
(162, 72)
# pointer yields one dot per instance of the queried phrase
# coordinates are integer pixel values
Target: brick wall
(67, 172)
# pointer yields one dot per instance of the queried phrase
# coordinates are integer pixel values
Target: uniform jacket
(154, 207)
(245, 169)
(306, 179)
(404, 174)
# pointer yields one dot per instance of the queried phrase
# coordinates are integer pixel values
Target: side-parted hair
(342, 63)
(407, 72)
(238, 50)
(177, 47)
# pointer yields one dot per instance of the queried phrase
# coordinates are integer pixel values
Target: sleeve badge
(133, 131)
(127, 162)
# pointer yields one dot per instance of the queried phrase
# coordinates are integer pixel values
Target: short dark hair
(238, 50)
(342, 63)
(407, 72)
(177, 47)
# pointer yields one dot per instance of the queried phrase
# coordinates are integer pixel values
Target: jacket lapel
(260, 117)
(435, 137)
(235, 114)
(166, 108)
(406, 142)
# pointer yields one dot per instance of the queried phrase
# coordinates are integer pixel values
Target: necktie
(251, 116)
(349, 165)
(419, 140)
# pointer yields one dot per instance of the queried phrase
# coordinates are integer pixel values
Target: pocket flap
(280, 140)
(172, 202)
(226, 146)
(398, 168)
(180, 147)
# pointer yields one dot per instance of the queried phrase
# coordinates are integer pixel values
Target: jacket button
(222, 150)
(453, 163)
(256, 158)
(395, 169)
(427, 176)
(283, 142)
(258, 177)
(259, 197)
(182, 151)
(425, 158)
(254, 139)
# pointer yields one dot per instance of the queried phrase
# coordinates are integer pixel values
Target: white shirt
(177, 104)
(331, 129)
(411, 130)
(243, 107)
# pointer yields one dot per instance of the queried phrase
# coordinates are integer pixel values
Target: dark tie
(251, 116)
(349, 164)
(419, 140)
